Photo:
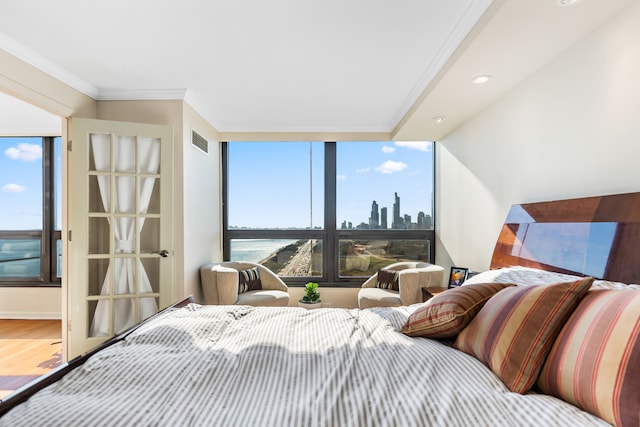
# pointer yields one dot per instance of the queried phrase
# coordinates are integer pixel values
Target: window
(334, 212)
(30, 218)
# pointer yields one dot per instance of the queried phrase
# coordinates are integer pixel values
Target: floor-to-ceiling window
(30, 211)
(334, 212)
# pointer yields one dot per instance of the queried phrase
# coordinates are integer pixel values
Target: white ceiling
(300, 65)
(18, 118)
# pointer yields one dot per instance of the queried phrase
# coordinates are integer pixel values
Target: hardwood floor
(28, 349)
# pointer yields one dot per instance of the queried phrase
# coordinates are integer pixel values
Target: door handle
(163, 253)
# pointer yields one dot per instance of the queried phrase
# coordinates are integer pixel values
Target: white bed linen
(525, 276)
(285, 366)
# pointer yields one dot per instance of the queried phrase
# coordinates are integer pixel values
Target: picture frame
(457, 276)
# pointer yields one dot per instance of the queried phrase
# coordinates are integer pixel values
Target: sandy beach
(300, 262)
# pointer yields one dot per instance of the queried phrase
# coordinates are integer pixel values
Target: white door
(120, 229)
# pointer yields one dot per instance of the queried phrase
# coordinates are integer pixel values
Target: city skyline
(379, 220)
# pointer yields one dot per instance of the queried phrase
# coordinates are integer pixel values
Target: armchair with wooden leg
(400, 284)
(246, 283)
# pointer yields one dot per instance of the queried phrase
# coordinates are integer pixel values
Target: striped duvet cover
(285, 366)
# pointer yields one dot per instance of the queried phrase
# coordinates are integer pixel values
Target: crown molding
(35, 60)
(28, 56)
(308, 129)
(141, 94)
(303, 136)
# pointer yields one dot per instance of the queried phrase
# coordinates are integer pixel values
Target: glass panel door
(122, 229)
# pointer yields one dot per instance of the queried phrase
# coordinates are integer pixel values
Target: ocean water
(19, 258)
(14, 252)
(255, 250)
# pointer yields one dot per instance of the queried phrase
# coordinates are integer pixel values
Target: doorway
(31, 220)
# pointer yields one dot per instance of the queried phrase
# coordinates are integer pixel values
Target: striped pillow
(446, 314)
(514, 331)
(249, 280)
(595, 362)
(387, 279)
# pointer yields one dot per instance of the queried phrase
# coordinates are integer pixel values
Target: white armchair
(220, 285)
(411, 278)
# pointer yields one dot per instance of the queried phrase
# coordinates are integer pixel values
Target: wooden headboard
(592, 236)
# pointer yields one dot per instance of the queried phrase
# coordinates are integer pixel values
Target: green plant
(311, 294)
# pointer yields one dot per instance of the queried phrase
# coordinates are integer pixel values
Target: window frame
(48, 235)
(330, 234)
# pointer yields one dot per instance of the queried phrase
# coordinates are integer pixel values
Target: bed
(198, 365)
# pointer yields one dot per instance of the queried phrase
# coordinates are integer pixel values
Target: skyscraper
(421, 221)
(383, 218)
(406, 223)
(374, 219)
(397, 221)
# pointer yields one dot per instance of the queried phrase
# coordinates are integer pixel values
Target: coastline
(291, 260)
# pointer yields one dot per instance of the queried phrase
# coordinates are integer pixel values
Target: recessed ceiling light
(482, 79)
(439, 119)
(566, 2)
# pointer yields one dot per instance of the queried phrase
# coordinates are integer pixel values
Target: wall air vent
(199, 142)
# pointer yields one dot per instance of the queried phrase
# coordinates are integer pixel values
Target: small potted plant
(311, 297)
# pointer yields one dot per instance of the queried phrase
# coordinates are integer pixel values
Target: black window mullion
(331, 243)
(226, 237)
(48, 250)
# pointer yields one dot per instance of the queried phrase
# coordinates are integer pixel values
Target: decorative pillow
(249, 280)
(387, 279)
(595, 362)
(514, 331)
(446, 314)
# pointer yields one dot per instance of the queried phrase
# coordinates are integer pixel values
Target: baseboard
(35, 315)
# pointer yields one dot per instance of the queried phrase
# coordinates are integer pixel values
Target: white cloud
(388, 149)
(24, 151)
(390, 166)
(363, 170)
(13, 188)
(414, 145)
(341, 177)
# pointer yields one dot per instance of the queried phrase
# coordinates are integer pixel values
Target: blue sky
(20, 183)
(269, 187)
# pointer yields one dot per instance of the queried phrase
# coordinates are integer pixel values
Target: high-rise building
(383, 218)
(397, 221)
(421, 222)
(374, 219)
(406, 224)
(379, 219)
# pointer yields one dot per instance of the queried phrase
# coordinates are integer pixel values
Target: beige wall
(201, 200)
(571, 130)
(330, 297)
(30, 303)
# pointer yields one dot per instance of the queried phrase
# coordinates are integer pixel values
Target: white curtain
(123, 269)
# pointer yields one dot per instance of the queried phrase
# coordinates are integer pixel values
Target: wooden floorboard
(28, 349)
